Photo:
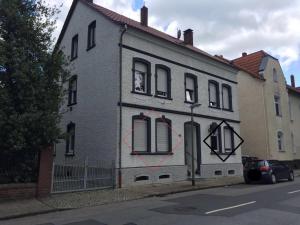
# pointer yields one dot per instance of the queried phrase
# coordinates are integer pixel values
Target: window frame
(280, 141)
(220, 142)
(231, 139)
(275, 75)
(70, 143)
(277, 102)
(75, 39)
(71, 92)
(148, 76)
(213, 82)
(169, 123)
(91, 40)
(148, 121)
(229, 88)
(168, 70)
(195, 79)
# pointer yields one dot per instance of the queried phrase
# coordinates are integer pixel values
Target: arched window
(141, 76)
(163, 81)
(191, 88)
(275, 76)
(280, 140)
(227, 97)
(163, 135)
(213, 89)
(141, 134)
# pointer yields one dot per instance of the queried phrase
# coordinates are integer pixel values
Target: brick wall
(17, 191)
(45, 173)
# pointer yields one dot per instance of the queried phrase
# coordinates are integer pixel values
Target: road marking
(292, 192)
(231, 207)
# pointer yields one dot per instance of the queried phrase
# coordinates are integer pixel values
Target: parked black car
(267, 171)
(246, 158)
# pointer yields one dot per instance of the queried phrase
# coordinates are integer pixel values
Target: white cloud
(226, 27)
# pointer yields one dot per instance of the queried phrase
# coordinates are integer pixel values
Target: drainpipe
(120, 105)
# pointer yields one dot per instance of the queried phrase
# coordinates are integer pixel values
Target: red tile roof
(119, 19)
(294, 89)
(251, 62)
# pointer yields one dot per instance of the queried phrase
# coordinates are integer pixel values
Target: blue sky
(235, 26)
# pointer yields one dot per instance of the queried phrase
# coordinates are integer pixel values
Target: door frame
(198, 144)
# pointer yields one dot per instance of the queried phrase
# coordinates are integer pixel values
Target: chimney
(293, 81)
(244, 54)
(188, 37)
(144, 16)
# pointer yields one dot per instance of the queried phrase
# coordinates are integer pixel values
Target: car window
(255, 164)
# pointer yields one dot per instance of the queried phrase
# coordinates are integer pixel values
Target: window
(163, 81)
(163, 135)
(213, 90)
(227, 97)
(74, 50)
(91, 35)
(277, 105)
(275, 76)
(72, 90)
(280, 140)
(228, 139)
(216, 142)
(141, 76)
(70, 140)
(141, 134)
(191, 88)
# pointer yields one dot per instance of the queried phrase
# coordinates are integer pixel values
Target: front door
(188, 147)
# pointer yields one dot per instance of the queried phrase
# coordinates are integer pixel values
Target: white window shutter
(226, 98)
(162, 80)
(142, 67)
(189, 83)
(213, 92)
(140, 135)
(227, 137)
(162, 137)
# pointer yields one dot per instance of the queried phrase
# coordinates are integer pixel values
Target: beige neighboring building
(294, 97)
(264, 107)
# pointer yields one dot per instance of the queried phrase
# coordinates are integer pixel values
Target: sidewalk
(58, 202)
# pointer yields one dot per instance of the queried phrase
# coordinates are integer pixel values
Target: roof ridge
(250, 54)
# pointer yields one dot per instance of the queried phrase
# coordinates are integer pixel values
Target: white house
(131, 94)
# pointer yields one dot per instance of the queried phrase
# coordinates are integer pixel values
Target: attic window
(91, 35)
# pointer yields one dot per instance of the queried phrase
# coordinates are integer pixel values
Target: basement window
(141, 178)
(218, 172)
(231, 172)
(164, 176)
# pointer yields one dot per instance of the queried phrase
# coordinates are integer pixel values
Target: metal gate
(82, 175)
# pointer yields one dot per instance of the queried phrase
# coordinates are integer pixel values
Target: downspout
(120, 105)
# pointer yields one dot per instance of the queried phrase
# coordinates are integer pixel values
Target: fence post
(85, 173)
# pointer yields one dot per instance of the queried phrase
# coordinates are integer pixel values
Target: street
(240, 204)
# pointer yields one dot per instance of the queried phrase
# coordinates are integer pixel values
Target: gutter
(120, 105)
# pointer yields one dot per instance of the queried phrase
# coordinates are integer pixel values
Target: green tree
(31, 76)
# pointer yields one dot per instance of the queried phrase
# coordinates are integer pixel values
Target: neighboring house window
(228, 139)
(213, 89)
(275, 76)
(91, 35)
(70, 141)
(74, 50)
(163, 135)
(163, 81)
(277, 105)
(227, 97)
(141, 134)
(72, 90)
(191, 88)
(280, 140)
(141, 76)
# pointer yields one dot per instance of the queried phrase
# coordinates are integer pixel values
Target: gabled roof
(293, 89)
(120, 19)
(251, 62)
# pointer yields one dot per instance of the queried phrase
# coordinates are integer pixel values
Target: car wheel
(273, 179)
(291, 176)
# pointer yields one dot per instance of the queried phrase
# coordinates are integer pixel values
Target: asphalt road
(241, 204)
